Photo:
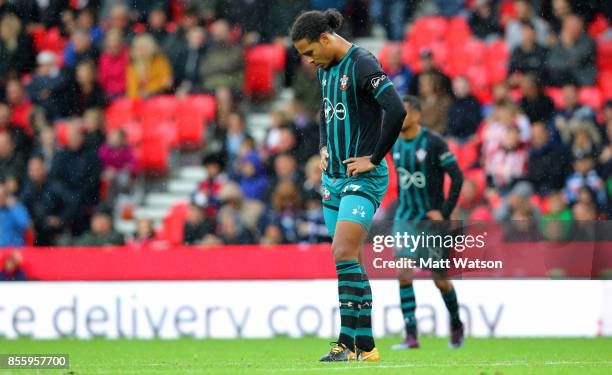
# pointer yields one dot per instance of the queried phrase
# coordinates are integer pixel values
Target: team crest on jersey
(376, 81)
(326, 195)
(344, 82)
(421, 154)
(324, 82)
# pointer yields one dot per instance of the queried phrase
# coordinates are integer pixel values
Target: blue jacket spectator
(14, 220)
(252, 179)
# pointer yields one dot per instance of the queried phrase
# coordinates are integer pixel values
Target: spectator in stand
(21, 139)
(118, 164)
(483, 20)
(93, 125)
(306, 87)
(21, 107)
(518, 197)
(284, 169)
(144, 237)
(88, 94)
(585, 175)
(16, 48)
(572, 109)
(176, 42)
(508, 163)
(584, 224)
(47, 88)
(12, 165)
(391, 15)
(398, 72)
(435, 103)
(310, 224)
(248, 210)
(605, 159)
(283, 211)
(450, 8)
(428, 66)
(149, 72)
(561, 9)
(522, 225)
(188, 61)
(525, 15)
(11, 268)
(231, 231)
(573, 57)
(46, 146)
(536, 105)
(223, 63)
(549, 163)
(112, 68)
(582, 137)
(211, 186)
(157, 22)
(81, 179)
(494, 129)
(198, 225)
(464, 115)
(236, 133)
(50, 205)
(101, 233)
(556, 225)
(82, 49)
(14, 219)
(251, 177)
(119, 19)
(86, 20)
(312, 171)
(528, 57)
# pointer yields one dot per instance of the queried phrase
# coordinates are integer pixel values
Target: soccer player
(422, 158)
(352, 146)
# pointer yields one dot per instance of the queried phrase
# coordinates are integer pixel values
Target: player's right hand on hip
(324, 157)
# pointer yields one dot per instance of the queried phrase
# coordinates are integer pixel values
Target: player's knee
(443, 284)
(343, 252)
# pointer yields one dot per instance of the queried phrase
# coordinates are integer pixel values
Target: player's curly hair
(312, 23)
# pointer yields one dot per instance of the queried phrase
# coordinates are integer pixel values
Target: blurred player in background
(352, 145)
(422, 158)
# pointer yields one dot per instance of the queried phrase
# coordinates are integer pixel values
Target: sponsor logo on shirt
(376, 81)
(407, 179)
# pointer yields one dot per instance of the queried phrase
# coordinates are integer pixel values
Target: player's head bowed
(313, 34)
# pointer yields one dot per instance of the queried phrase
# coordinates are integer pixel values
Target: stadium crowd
(533, 136)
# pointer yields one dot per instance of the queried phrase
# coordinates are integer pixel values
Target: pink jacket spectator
(112, 73)
(118, 158)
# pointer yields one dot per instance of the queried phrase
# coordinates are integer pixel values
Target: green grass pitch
(299, 356)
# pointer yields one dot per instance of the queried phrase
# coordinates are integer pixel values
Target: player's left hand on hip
(357, 165)
(435, 215)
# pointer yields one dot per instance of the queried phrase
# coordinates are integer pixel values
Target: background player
(422, 158)
(352, 145)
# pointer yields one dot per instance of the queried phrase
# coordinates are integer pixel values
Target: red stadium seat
(159, 118)
(466, 55)
(52, 41)
(605, 83)
(172, 228)
(480, 82)
(262, 64)
(153, 155)
(383, 56)
(604, 55)
(427, 30)
(591, 96)
(192, 116)
(599, 26)
(458, 31)
(122, 112)
(497, 61)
